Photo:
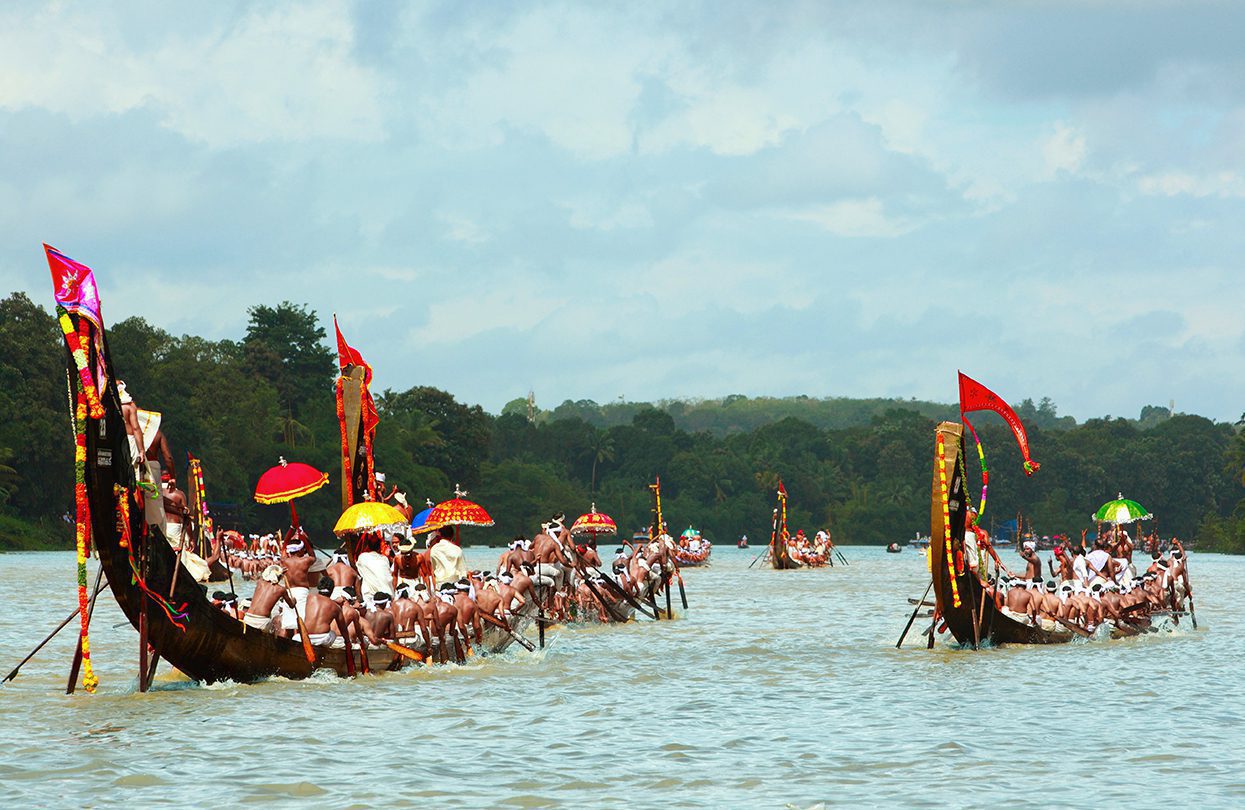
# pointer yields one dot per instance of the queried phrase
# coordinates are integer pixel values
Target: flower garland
(946, 520)
(82, 535)
(985, 472)
(196, 475)
(79, 344)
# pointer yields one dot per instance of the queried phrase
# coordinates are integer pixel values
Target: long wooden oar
(52, 635)
(493, 620)
(841, 557)
(912, 618)
(622, 592)
(1074, 628)
(596, 592)
(1192, 609)
(405, 652)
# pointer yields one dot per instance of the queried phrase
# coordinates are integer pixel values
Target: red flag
(976, 397)
(75, 286)
(347, 356)
(781, 489)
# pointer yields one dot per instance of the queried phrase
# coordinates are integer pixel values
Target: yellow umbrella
(367, 516)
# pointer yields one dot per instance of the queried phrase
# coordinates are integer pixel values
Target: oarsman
(227, 602)
(379, 618)
(509, 559)
(511, 598)
(469, 622)
(1045, 606)
(296, 560)
(375, 573)
(442, 617)
(323, 620)
(553, 564)
(447, 558)
(622, 572)
(348, 600)
(593, 596)
(341, 572)
(1178, 574)
(488, 595)
(1112, 600)
(1018, 597)
(268, 592)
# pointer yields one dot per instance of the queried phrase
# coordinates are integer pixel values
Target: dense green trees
(860, 467)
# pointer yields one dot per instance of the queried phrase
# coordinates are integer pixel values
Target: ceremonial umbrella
(368, 516)
(1121, 510)
(285, 482)
(690, 532)
(458, 511)
(594, 523)
(419, 523)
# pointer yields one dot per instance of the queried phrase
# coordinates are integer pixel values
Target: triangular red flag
(976, 397)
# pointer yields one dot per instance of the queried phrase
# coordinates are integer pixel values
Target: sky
(657, 200)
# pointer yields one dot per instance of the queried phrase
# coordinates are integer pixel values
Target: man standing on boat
(375, 572)
(977, 545)
(447, 558)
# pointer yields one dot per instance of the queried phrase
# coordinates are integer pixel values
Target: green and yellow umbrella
(1121, 510)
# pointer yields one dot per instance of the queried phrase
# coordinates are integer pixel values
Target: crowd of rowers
(1088, 585)
(428, 598)
(810, 553)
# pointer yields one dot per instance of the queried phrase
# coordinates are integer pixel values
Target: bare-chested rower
(268, 592)
(325, 624)
(341, 572)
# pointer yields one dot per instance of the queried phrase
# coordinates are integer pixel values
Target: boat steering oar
(920, 604)
(99, 585)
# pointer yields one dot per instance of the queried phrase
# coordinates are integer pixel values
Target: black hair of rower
(325, 585)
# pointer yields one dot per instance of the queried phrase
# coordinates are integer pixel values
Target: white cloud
(1064, 150)
(1177, 183)
(282, 74)
(854, 218)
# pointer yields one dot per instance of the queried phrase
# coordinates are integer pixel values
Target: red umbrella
(456, 512)
(285, 482)
(594, 523)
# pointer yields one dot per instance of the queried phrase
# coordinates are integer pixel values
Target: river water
(776, 689)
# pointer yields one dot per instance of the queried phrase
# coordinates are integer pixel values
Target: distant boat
(894, 548)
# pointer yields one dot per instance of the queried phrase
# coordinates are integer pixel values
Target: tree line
(860, 467)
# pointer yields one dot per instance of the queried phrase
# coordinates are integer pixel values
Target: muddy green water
(776, 689)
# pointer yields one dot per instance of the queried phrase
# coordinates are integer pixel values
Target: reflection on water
(777, 689)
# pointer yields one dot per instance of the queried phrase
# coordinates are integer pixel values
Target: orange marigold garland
(946, 520)
(79, 344)
(82, 537)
